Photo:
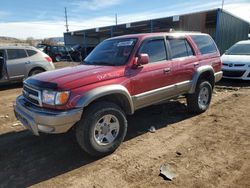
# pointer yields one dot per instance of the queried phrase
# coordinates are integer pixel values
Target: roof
(17, 47)
(143, 22)
(143, 35)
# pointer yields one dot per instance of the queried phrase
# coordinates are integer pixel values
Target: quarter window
(180, 48)
(31, 52)
(205, 44)
(155, 49)
(16, 53)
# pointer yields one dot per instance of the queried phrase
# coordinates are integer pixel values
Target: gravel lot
(207, 150)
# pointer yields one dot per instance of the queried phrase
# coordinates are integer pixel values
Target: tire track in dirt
(214, 147)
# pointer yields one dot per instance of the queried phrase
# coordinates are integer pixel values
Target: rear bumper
(38, 119)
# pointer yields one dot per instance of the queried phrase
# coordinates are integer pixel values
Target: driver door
(149, 81)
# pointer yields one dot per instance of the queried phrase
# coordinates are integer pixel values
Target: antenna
(66, 20)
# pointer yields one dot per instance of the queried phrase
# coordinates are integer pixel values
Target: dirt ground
(207, 150)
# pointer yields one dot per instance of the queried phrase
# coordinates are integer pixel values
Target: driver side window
(155, 49)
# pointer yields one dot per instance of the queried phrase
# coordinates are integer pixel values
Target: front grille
(239, 65)
(235, 73)
(32, 95)
(233, 65)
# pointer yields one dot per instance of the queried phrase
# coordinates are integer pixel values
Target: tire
(35, 71)
(99, 119)
(200, 100)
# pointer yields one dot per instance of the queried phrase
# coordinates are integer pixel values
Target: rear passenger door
(183, 59)
(16, 63)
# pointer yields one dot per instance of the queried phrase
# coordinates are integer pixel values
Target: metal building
(225, 28)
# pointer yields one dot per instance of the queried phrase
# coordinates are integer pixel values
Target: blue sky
(45, 18)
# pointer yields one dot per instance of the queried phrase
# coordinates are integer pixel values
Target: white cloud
(95, 4)
(241, 10)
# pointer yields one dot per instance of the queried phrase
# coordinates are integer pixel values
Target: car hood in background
(235, 59)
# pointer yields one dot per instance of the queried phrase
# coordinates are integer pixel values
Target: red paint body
(83, 78)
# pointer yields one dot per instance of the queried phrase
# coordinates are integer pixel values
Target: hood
(74, 77)
(235, 59)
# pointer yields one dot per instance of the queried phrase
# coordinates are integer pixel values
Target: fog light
(46, 129)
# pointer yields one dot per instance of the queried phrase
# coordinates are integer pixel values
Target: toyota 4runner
(120, 76)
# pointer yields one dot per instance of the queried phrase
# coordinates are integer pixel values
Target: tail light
(48, 59)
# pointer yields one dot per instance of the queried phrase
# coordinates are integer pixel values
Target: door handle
(196, 64)
(28, 62)
(166, 70)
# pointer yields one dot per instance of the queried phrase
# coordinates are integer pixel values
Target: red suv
(120, 76)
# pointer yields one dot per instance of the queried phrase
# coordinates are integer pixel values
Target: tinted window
(204, 43)
(180, 48)
(111, 52)
(16, 53)
(2, 53)
(61, 49)
(155, 49)
(31, 52)
(54, 49)
(239, 49)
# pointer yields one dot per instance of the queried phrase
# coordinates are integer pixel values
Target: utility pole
(66, 19)
(116, 22)
(222, 5)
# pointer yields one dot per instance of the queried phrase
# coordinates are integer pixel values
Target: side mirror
(143, 59)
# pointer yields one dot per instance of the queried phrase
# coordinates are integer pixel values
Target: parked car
(236, 61)
(79, 53)
(18, 63)
(121, 75)
(57, 53)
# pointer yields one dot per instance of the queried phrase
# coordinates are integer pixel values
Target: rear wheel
(200, 100)
(35, 71)
(102, 129)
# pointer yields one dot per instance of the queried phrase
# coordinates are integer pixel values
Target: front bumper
(236, 73)
(38, 119)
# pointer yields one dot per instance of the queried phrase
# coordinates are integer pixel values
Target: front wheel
(200, 100)
(102, 128)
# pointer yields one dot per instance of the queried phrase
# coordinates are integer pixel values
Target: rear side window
(155, 49)
(180, 48)
(204, 43)
(16, 53)
(31, 52)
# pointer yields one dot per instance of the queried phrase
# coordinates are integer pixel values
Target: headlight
(55, 98)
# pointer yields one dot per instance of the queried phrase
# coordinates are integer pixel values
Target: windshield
(113, 52)
(239, 49)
